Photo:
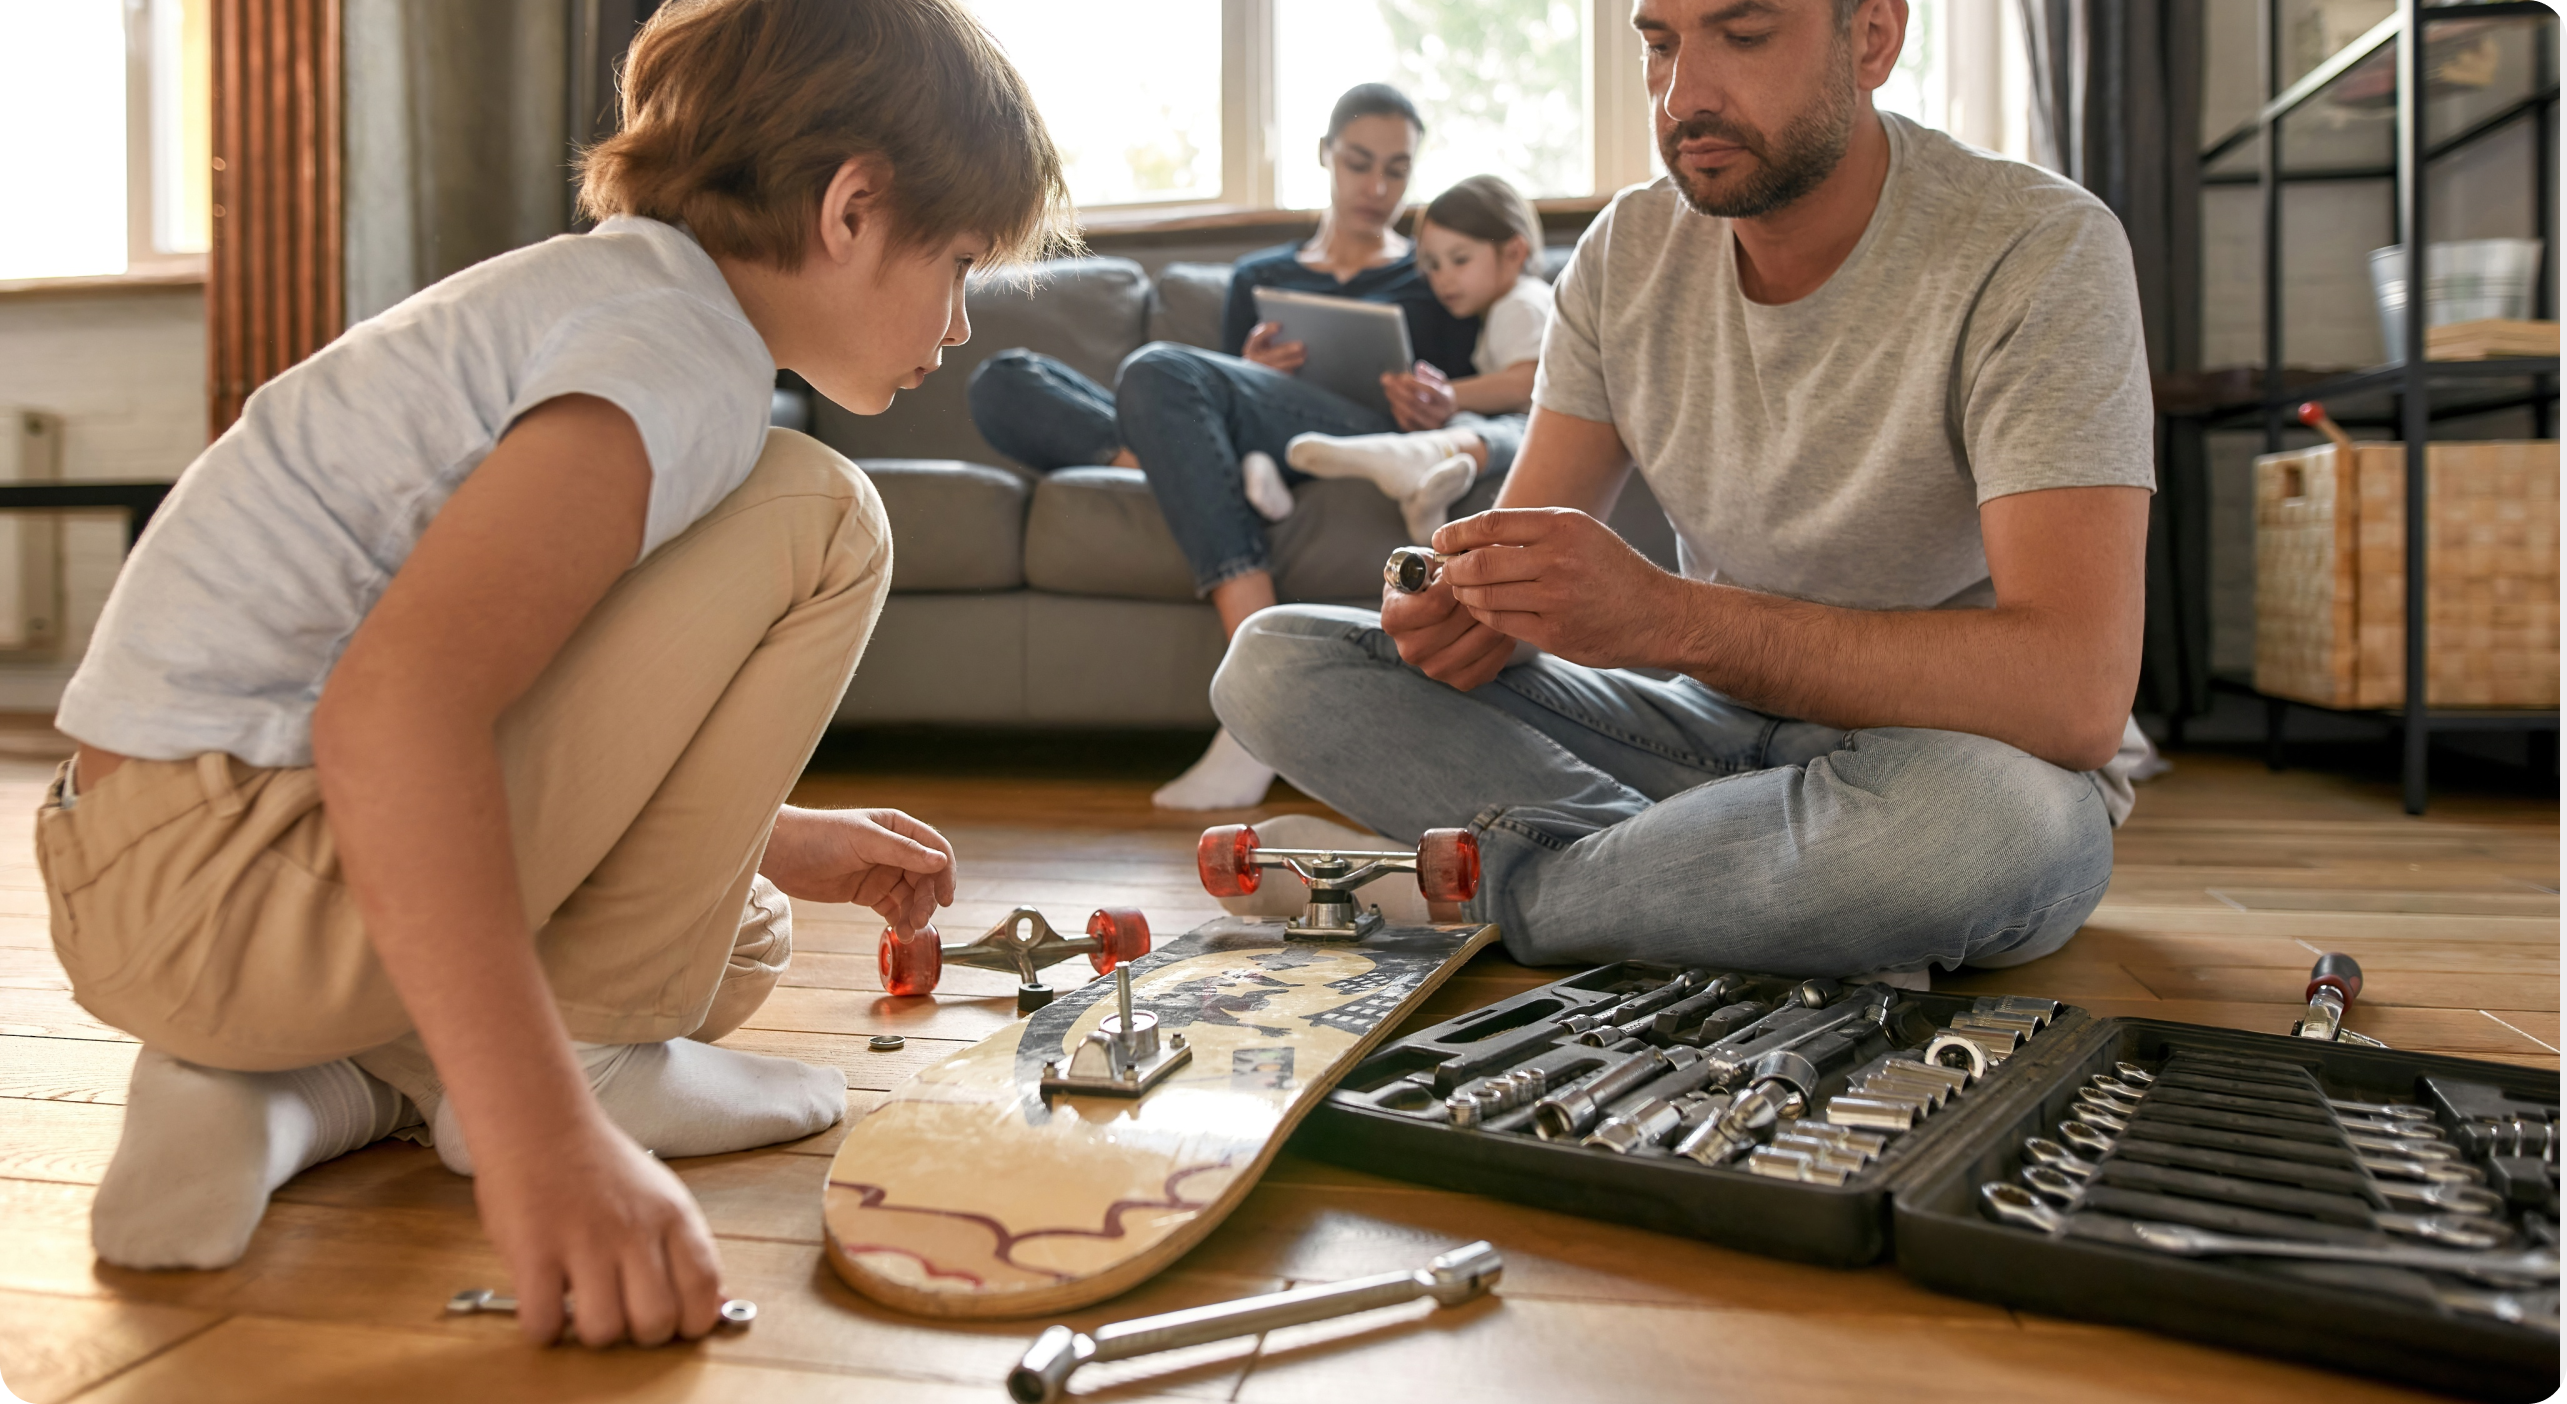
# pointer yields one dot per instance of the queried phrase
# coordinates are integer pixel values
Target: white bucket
(2466, 280)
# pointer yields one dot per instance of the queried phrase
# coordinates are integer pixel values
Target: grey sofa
(1025, 600)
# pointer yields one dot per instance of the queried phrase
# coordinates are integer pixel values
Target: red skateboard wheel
(911, 965)
(1226, 857)
(1122, 935)
(1448, 865)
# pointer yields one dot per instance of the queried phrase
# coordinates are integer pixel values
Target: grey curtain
(2116, 96)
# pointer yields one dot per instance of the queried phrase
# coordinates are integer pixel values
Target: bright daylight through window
(118, 194)
(1134, 102)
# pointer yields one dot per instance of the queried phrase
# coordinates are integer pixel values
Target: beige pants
(199, 906)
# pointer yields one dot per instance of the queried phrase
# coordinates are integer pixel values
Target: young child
(1473, 243)
(435, 741)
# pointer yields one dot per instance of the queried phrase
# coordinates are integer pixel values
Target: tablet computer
(1348, 343)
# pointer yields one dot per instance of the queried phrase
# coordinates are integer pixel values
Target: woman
(1209, 429)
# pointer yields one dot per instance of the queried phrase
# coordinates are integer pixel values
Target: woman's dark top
(1439, 338)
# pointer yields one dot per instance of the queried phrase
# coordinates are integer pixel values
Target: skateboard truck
(2333, 982)
(1022, 942)
(1446, 861)
(1123, 1056)
(1044, 1373)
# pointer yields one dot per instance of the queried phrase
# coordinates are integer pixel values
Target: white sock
(1280, 895)
(688, 1098)
(1226, 778)
(1425, 509)
(1266, 490)
(203, 1149)
(1396, 463)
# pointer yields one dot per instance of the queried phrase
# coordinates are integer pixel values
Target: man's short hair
(738, 113)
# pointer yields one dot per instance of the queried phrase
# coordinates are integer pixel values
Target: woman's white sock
(1396, 463)
(203, 1148)
(688, 1098)
(1267, 491)
(1431, 504)
(1226, 778)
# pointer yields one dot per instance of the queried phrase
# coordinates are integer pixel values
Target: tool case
(1920, 1197)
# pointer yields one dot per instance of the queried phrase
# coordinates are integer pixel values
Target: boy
(435, 740)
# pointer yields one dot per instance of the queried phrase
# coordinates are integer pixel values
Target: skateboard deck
(968, 1193)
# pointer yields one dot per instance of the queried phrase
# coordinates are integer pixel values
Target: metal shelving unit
(2418, 392)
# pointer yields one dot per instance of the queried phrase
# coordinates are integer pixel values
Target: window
(1964, 71)
(1221, 103)
(115, 95)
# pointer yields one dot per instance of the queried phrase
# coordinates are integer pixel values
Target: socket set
(2394, 1214)
(1762, 1112)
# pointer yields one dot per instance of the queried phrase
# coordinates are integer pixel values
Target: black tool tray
(1946, 1241)
(1388, 1116)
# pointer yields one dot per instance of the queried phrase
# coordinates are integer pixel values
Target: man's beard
(1788, 166)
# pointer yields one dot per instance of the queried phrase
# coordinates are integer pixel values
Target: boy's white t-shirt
(239, 599)
(1511, 330)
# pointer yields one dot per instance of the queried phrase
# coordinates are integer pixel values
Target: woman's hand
(878, 858)
(1420, 399)
(579, 1211)
(1262, 348)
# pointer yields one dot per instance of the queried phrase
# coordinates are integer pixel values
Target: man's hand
(878, 858)
(582, 1211)
(1439, 638)
(1420, 398)
(1262, 348)
(1565, 583)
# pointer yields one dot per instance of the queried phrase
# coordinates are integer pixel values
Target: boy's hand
(1421, 398)
(878, 858)
(590, 1215)
(1262, 348)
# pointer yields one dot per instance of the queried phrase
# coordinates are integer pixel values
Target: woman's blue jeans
(1189, 415)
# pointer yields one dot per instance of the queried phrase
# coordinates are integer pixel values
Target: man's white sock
(688, 1098)
(1396, 463)
(1430, 505)
(1226, 778)
(1267, 491)
(203, 1148)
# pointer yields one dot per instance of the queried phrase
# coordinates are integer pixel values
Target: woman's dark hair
(1485, 207)
(1372, 100)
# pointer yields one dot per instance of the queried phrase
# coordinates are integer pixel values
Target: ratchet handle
(2336, 971)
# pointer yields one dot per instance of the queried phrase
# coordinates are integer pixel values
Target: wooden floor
(2226, 883)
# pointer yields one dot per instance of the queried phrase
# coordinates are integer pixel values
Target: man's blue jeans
(1625, 816)
(1189, 415)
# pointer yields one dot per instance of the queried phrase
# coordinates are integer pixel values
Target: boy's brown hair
(738, 113)
(1485, 207)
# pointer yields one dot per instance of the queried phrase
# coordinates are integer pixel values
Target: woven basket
(2330, 576)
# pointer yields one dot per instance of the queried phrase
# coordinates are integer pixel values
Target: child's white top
(1511, 330)
(238, 600)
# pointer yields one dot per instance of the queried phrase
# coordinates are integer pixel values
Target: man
(1893, 394)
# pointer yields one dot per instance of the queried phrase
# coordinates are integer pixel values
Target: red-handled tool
(2333, 982)
(2314, 415)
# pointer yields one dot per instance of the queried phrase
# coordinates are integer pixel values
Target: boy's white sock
(688, 1098)
(1396, 463)
(1267, 491)
(1427, 508)
(203, 1149)
(1226, 778)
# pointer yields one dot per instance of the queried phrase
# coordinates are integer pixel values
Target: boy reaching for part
(435, 741)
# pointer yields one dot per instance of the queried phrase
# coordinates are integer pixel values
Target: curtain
(2116, 98)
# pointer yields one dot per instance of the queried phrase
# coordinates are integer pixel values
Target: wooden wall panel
(274, 284)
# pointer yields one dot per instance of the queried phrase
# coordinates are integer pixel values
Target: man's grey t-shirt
(1982, 339)
(278, 540)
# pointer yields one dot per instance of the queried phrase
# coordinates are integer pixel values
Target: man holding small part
(1893, 394)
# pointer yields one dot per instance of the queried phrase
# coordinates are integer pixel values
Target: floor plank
(2228, 882)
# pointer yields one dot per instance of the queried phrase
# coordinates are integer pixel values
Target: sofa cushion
(954, 526)
(1089, 312)
(1097, 531)
(1186, 302)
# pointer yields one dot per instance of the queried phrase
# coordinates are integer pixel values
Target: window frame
(1617, 117)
